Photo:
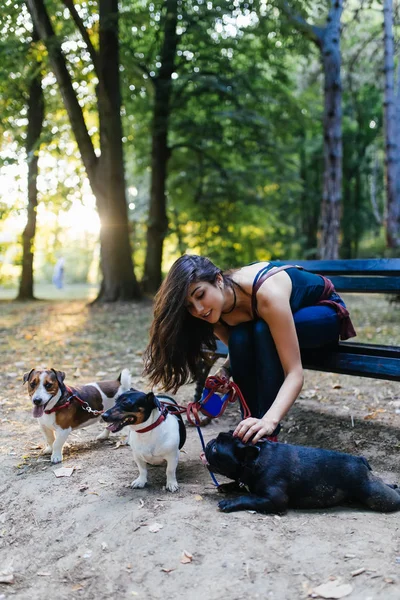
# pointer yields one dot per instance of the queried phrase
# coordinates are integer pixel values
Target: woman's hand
(254, 429)
(223, 373)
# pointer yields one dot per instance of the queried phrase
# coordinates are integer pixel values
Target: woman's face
(206, 300)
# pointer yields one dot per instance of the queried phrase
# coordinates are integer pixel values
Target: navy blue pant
(255, 363)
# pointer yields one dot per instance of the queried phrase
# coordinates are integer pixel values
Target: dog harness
(72, 396)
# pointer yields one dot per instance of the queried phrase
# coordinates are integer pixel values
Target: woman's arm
(273, 306)
(222, 333)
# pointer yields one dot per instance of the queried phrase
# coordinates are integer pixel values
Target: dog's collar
(163, 415)
(68, 401)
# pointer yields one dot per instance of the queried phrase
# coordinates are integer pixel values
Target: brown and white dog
(61, 408)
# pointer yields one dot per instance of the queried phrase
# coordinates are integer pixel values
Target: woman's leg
(255, 363)
(242, 358)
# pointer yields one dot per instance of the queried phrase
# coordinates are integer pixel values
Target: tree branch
(84, 33)
(44, 27)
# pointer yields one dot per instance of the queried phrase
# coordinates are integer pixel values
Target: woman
(263, 313)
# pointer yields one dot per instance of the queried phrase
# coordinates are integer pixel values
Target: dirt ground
(91, 536)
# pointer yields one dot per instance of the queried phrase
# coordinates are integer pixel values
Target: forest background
(133, 132)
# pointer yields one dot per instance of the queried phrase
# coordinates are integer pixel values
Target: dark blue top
(307, 287)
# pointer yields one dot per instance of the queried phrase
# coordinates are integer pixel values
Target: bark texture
(160, 152)
(106, 172)
(392, 128)
(328, 41)
(34, 130)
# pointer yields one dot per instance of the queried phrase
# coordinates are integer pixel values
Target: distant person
(58, 273)
(265, 314)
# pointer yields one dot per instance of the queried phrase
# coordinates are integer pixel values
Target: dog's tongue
(38, 411)
(112, 427)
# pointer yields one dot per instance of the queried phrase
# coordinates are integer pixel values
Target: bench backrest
(374, 275)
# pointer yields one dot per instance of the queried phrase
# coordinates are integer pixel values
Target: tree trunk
(391, 128)
(34, 129)
(328, 41)
(106, 173)
(332, 192)
(158, 221)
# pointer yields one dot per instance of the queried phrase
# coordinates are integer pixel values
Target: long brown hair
(176, 337)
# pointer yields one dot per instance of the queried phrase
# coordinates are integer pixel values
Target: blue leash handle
(215, 482)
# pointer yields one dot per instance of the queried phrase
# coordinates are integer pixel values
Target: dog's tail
(125, 380)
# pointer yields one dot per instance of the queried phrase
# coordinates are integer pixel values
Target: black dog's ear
(27, 375)
(246, 452)
(60, 376)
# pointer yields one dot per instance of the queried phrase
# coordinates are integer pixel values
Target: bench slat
(355, 266)
(372, 285)
(363, 365)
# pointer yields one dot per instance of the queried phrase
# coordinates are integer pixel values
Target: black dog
(282, 475)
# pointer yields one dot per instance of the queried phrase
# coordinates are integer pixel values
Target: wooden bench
(377, 276)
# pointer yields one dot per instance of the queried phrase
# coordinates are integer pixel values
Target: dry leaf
(357, 572)
(6, 577)
(198, 497)
(101, 374)
(167, 570)
(64, 471)
(43, 573)
(77, 587)
(186, 557)
(336, 386)
(77, 373)
(155, 527)
(333, 589)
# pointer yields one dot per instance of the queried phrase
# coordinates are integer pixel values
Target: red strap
(160, 419)
(215, 384)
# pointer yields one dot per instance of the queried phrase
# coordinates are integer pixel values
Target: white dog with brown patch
(60, 408)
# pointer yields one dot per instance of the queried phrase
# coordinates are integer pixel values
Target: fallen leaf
(155, 527)
(198, 497)
(77, 587)
(6, 577)
(43, 573)
(64, 472)
(101, 374)
(186, 557)
(167, 570)
(333, 589)
(336, 386)
(77, 373)
(357, 572)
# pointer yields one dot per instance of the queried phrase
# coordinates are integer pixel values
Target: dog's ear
(27, 375)
(60, 376)
(246, 452)
(151, 398)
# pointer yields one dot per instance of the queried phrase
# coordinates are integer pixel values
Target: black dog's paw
(227, 488)
(226, 505)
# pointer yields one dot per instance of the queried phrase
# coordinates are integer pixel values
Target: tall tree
(392, 130)
(160, 152)
(105, 168)
(35, 124)
(327, 39)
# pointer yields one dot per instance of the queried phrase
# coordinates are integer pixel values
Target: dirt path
(90, 536)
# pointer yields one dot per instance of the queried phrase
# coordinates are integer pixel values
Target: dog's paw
(47, 450)
(104, 435)
(56, 458)
(225, 505)
(138, 483)
(172, 486)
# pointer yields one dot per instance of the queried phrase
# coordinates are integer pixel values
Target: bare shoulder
(245, 275)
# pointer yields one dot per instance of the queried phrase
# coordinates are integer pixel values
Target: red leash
(214, 385)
